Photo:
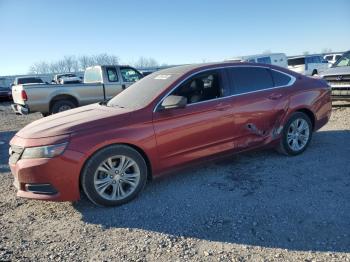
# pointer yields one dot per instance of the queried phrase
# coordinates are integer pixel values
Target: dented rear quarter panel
(311, 95)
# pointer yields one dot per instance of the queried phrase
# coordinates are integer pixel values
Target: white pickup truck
(100, 83)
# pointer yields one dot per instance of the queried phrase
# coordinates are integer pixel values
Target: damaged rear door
(260, 100)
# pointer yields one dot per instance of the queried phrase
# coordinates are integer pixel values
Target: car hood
(82, 118)
(342, 70)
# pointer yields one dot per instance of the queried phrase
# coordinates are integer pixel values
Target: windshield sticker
(162, 77)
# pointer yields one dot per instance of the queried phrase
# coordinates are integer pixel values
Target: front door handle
(275, 96)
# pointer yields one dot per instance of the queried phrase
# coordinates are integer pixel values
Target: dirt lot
(259, 206)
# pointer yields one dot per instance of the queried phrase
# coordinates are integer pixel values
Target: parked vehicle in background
(68, 78)
(332, 58)
(5, 93)
(147, 72)
(100, 83)
(338, 77)
(165, 121)
(24, 80)
(278, 59)
(309, 65)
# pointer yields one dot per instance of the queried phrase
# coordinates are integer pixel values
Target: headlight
(44, 151)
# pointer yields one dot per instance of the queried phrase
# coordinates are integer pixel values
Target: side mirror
(173, 101)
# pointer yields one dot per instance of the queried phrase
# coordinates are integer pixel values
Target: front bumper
(20, 109)
(53, 179)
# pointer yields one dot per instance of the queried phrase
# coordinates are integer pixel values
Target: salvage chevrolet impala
(167, 120)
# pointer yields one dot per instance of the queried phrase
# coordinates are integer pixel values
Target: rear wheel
(296, 134)
(114, 176)
(62, 105)
(314, 73)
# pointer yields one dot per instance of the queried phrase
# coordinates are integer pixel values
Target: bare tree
(54, 68)
(40, 68)
(105, 59)
(85, 61)
(73, 64)
(144, 62)
(70, 64)
(61, 66)
(34, 69)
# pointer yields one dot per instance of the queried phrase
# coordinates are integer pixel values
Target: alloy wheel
(117, 177)
(298, 134)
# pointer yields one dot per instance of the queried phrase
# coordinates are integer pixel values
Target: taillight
(24, 95)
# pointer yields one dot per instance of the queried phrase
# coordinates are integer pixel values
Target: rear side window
(249, 79)
(264, 60)
(93, 75)
(280, 79)
(112, 74)
(296, 61)
(314, 59)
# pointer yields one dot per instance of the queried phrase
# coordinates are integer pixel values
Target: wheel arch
(310, 114)
(135, 147)
(63, 97)
(145, 157)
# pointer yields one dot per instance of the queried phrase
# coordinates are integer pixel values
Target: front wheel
(296, 134)
(114, 175)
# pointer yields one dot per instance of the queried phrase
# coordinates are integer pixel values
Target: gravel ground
(257, 206)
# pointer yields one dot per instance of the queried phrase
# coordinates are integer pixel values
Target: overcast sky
(172, 32)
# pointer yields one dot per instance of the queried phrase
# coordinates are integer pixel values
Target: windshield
(144, 91)
(343, 61)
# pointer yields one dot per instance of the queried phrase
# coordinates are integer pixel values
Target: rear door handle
(275, 96)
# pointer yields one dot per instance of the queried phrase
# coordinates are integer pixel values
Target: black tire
(62, 105)
(88, 174)
(314, 72)
(284, 146)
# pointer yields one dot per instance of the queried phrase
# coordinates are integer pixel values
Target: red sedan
(166, 121)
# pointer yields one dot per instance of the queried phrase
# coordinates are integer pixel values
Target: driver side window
(202, 87)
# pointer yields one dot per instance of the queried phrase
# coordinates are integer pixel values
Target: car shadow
(5, 137)
(258, 198)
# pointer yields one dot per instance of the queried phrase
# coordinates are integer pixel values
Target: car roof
(302, 56)
(183, 69)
